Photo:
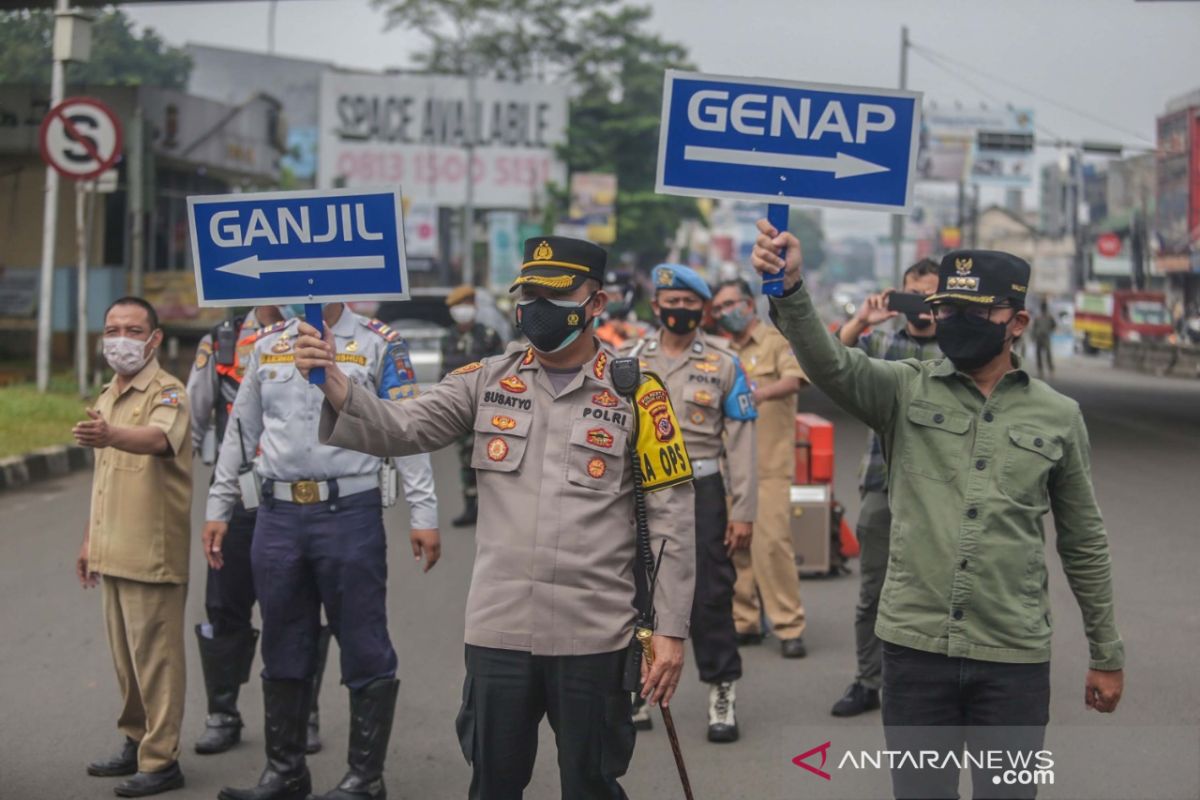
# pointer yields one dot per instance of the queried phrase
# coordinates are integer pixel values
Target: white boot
(722, 721)
(642, 720)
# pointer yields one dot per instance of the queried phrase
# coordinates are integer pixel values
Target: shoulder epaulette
(381, 328)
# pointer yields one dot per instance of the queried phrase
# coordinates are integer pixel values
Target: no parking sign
(80, 138)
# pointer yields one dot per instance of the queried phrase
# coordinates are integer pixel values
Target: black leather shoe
(144, 784)
(793, 648)
(749, 639)
(857, 700)
(469, 516)
(123, 762)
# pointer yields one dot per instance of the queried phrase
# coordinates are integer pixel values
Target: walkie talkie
(225, 343)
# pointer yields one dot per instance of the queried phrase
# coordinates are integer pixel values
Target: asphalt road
(59, 699)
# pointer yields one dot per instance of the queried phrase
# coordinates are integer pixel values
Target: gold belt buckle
(306, 492)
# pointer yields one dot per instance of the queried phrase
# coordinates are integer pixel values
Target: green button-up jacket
(969, 480)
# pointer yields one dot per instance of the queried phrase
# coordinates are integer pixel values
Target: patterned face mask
(126, 356)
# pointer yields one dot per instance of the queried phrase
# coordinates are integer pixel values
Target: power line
(1044, 98)
(932, 59)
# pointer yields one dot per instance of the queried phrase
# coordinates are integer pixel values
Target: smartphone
(908, 303)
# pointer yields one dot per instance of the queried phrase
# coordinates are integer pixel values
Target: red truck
(1104, 319)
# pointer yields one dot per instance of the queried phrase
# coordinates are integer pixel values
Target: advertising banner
(414, 131)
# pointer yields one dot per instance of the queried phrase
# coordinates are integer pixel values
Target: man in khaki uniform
(768, 567)
(550, 613)
(137, 538)
(716, 412)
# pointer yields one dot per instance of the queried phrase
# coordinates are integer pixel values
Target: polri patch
(606, 399)
(596, 467)
(468, 368)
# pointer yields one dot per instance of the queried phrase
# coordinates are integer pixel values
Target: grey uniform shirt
(279, 413)
(555, 542)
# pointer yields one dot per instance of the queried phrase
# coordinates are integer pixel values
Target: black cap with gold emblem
(560, 263)
(986, 277)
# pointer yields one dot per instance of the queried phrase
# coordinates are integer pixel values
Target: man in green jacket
(978, 452)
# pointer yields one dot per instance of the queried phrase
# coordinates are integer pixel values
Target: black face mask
(681, 321)
(549, 326)
(917, 322)
(970, 342)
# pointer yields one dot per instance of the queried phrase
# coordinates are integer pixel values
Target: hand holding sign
(777, 254)
(316, 352)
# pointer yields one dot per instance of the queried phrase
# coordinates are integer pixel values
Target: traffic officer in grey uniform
(319, 541)
(716, 412)
(228, 640)
(550, 614)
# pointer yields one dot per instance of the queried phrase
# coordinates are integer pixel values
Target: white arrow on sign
(253, 267)
(842, 165)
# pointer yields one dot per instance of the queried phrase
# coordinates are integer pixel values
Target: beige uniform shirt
(141, 504)
(716, 411)
(555, 542)
(767, 357)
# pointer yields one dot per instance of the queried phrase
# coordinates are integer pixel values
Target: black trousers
(505, 695)
(714, 636)
(935, 702)
(229, 592)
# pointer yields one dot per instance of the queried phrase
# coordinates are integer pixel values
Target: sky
(1116, 61)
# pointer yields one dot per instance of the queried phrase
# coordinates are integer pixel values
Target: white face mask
(463, 314)
(126, 356)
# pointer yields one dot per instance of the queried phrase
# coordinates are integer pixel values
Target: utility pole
(898, 219)
(468, 275)
(58, 72)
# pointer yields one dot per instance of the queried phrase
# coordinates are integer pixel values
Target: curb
(43, 464)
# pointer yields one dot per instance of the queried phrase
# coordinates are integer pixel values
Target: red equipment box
(814, 450)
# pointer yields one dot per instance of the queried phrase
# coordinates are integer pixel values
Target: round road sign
(1108, 244)
(81, 138)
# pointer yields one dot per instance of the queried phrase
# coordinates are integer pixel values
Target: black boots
(313, 741)
(225, 661)
(372, 709)
(286, 777)
(858, 699)
(470, 513)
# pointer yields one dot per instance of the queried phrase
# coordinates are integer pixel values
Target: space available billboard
(415, 130)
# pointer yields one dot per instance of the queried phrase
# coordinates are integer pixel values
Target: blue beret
(677, 276)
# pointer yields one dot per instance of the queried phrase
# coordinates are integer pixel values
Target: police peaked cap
(560, 263)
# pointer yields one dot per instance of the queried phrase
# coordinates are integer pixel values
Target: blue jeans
(331, 554)
(935, 702)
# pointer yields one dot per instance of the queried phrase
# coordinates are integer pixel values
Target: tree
(120, 57)
(615, 67)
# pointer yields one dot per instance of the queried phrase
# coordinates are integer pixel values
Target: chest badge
(467, 368)
(352, 347)
(606, 399)
(497, 449)
(501, 422)
(704, 398)
(705, 366)
(513, 384)
(282, 346)
(697, 418)
(596, 467)
(712, 358)
(600, 438)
